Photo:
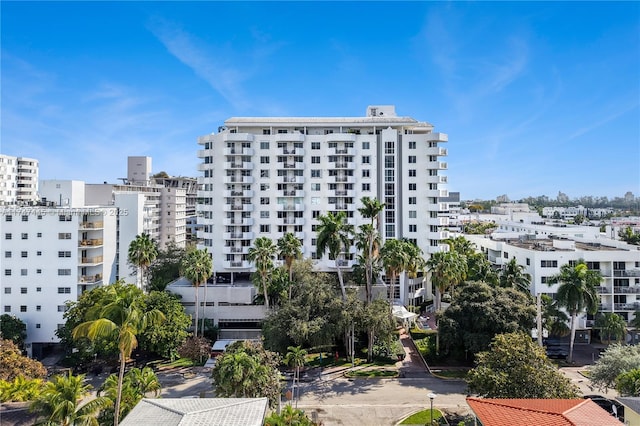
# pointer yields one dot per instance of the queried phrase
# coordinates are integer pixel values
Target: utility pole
(539, 317)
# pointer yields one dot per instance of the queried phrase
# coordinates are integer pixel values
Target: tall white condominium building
(51, 253)
(264, 177)
(18, 180)
(543, 249)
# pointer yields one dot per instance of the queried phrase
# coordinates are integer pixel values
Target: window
(505, 255)
(64, 218)
(413, 214)
(264, 145)
(265, 228)
(365, 145)
(412, 145)
(39, 235)
(366, 187)
(264, 160)
(544, 280)
(37, 325)
(23, 308)
(64, 254)
(7, 236)
(315, 201)
(412, 200)
(315, 159)
(64, 236)
(7, 308)
(7, 272)
(366, 159)
(62, 308)
(412, 187)
(266, 131)
(528, 261)
(315, 187)
(264, 200)
(7, 290)
(25, 218)
(38, 271)
(365, 173)
(412, 159)
(25, 236)
(8, 218)
(413, 228)
(64, 272)
(412, 172)
(549, 263)
(38, 308)
(315, 214)
(315, 173)
(315, 145)
(38, 253)
(264, 214)
(23, 254)
(23, 272)
(264, 173)
(64, 290)
(38, 289)
(264, 187)
(7, 254)
(282, 131)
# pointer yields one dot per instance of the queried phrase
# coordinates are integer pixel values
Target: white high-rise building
(266, 176)
(18, 180)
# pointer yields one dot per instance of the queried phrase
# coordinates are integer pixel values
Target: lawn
(372, 373)
(422, 417)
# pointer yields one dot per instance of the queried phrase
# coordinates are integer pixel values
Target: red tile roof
(540, 412)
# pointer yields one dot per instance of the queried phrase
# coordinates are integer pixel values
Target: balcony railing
(89, 260)
(626, 273)
(90, 278)
(93, 242)
(92, 225)
(626, 290)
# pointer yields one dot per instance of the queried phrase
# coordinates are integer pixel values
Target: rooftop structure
(18, 180)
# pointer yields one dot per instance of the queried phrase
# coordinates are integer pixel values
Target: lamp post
(431, 396)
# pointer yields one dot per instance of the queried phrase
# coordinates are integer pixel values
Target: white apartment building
(190, 186)
(542, 250)
(266, 176)
(18, 179)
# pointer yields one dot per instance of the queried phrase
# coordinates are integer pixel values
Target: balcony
(92, 225)
(442, 165)
(344, 165)
(96, 260)
(245, 194)
(238, 151)
(291, 207)
(344, 151)
(437, 137)
(627, 290)
(205, 153)
(238, 179)
(340, 137)
(440, 235)
(626, 306)
(342, 263)
(90, 243)
(235, 250)
(204, 166)
(237, 235)
(438, 221)
(289, 137)
(603, 289)
(238, 165)
(238, 222)
(90, 279)
(626, 273)
(292, 221)
(344, 179)
(292, 151)
(236, 264)
(292, 165)
(442, 152)
(292, 179)
(237, 137)
(238, 207)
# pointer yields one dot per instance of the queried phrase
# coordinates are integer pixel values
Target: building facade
(264, 177)
(18, 180)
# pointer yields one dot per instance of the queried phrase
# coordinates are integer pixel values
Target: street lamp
(431, 396)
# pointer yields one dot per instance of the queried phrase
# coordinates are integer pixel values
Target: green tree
(628, 383)
(447, 269)
(262, 254)
(611, 325)
(370, 239)
(59, 402)
(513, 275)
(334, 235)
(516, 367)
(197, 267)
(577, 293)
(247, 370)
(554, 320)
(20, 389)
(629, 235)
(480, 312)
(13, 328)
(142, 252)
(617, 359)
(166, 267)
(295, 358)
(289, 416)
(137, 384)
(479, 269)
(635, 322)
(166, 338)
(122, 319)
(461, 246)
(13, 364)
(394, 259)
(290, 248)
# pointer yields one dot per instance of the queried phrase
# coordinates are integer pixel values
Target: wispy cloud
(598, 123)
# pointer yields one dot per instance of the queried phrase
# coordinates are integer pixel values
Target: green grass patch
(180, 362)
(451, 374)
(371, 373)
(417, 333)
(585, 373)
(422, 417)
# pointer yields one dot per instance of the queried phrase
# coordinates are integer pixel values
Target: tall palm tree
(197, 267)
(262, 254)
(59, 402)
(461, 245)
(447, 269)
(371, 209)
(513, 275)
(577, 293)
(136, 385)
(415, 260)
(368, 242)
(296, 358)
(289, 247)
(142, 252)
(611, 324)
(121, 319)
(394, 258)
(334, 235)
(480, 269)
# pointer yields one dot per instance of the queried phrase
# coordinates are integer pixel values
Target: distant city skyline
(536, 97)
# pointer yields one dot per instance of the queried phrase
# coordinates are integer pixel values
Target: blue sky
(536, 97)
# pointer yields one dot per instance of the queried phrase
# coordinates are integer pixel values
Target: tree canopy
(13, 328)
(516, 367)
(479, 312)
(617, 359)
(14, 364)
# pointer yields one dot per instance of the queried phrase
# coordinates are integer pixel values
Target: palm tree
(136, 385)
(461, 245)
(289, 247)
(142, 252)
(296, 358)
(59, 402)
(334, 235)
(447, 269)
(513, 275)
(415, 262)
(479, 269)
(197, 267)
(394, 258)
(371, 209)
(635, 322)
(577, 292)
(121, 319)
(368, 242)
(553, 318)
(611, 324)
(262, 254)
